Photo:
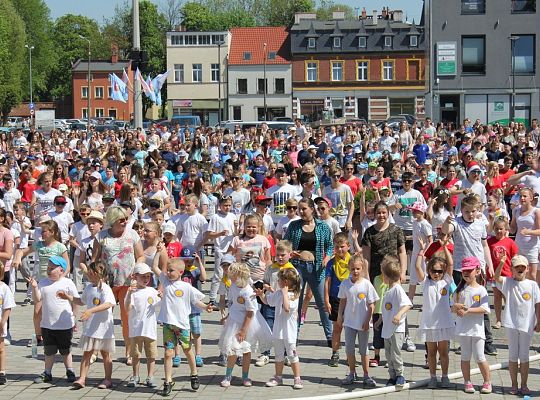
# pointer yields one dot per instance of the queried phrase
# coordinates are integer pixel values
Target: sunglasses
(60, 204)
(349, 169)
(336, 176)
(234, 178)
(407, 180)
(437, 271)
(292, 207)
(84, 214)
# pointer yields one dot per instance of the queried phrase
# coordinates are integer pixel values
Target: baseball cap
(216, 165)
(312, 147)
(169, 227)
(358, 150)
(107, 196)
(188, 253)
(228, 259)
(63, 187)
(470, 263)
(326, 200)
(182, 153)
(60, 200)
(519, 260)
(59, 262)
(373, 165)
(96, 175)
(154, 203)
(141, 269)
(280, 170)
(260, 198)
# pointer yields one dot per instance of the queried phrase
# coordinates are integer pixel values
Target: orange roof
(247, 45)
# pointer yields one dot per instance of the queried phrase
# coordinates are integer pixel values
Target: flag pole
(138, 111)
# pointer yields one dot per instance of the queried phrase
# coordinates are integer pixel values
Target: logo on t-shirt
(96, 301)
(388, 306)
(178, 293)
(361, 296)
(240, 300)
(526, 296)
(476, 298)
(150, 301)
(444, 292)
(1, 301)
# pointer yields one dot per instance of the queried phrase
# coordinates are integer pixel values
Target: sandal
(78, 384)
(497, 325)
(525, 391)
(513, 391)
(129, 361)
(105, 384)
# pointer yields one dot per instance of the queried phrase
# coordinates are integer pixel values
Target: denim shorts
(195, 324)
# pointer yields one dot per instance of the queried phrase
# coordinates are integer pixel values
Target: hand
(32, 282)
(537, 327)
(348, 225)
(328, 307)
(421, 243)
(449, 219)
(224, 232)
(209, 308)
(397, 319)
(365, 326)
(398, 206)
(63, 295)
(525, 232)
(258, 292)
(85, 315)
(339, 322)
(466, 191)
(75, 190)
(355, 234)
(241, 335)
(456, 307)
(160, 294)
(222, 320)
(403, 278)
(462, 312)
(503, 258)
(159, 247)
(295, 254)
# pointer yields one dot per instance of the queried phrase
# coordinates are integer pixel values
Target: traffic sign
(31, 111)
(31, 106)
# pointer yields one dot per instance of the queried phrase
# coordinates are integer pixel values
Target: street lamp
(219, 43)
(264, 82)
(30, 48)
(513, 40)
(89, 88)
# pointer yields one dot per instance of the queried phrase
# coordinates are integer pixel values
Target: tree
(326, 8)
(200, 18)
(172, 11)
(12, 40)
(281, 12)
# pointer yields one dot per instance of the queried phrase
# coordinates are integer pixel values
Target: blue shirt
(421, 151)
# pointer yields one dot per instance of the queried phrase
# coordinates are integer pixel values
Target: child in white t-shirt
(223, 292)
(421, 232)
(356, 305)
(470, 305)
(141, 303)
(522, 306)
(63, 219)
(7, 302)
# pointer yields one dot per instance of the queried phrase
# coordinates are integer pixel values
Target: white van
(243, 125)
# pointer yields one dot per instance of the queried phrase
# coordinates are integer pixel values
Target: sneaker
(486, 388)
(302, 318)
(150, 382)
(133, 381)
(350, 379)
(298, 384)
(70, 376)
(374, 362)
(262, 361)
(458, 350)
(334, 360)
(26, 302)
(369, 382)
(226, 382)
(199, 361)
(408, 345)
(445, 382)
(239, 361)
(43, 378)
(247, 382)
(274, 381)
(469, 388)
(195, 384)
(3, 379)
(432, 383)
(490, 349)
(176, 361)
(167, 388)
(222, 360)
(390, 382)
(371, 347)
(7, 342)
(400, 381)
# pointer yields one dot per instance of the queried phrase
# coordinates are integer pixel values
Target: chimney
(397, 15)
(374, 16)
(338, 15)
(383, 13)
(299, 16)
(114, 53)
(364, 13)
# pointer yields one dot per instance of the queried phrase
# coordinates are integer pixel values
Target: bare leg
(85, 366)
(295, 369)
(2, 355)
(246, 361)
(443, 356)
(466, 370)
(351, 360)
(484, 369)
(524, 370)
(150, 366)
(167, 363)
(197, 341)
(432, 358)
(365, 364)
(136, 364)
(191, 360)
(412, 292)
(37, 318)
(68, 360)
(497, 303)
(279, 368)
(513, 369)
(336, 336)
(107, 365)
(307, 299)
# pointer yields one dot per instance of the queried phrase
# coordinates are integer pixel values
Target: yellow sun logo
(96, 301)
(178, 293)
(388, 306)
(150, 300)
(476, 298)
(526, 296)
(1, 301)
(240, 300)
(444, 292)
(361, 296)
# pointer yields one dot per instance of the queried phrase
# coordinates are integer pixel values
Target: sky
(98, 9)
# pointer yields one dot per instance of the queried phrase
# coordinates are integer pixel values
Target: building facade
(101, 102)
(480, 51)
(197, 84)
(258, 55)
(368, 68)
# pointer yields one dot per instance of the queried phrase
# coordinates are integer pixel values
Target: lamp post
(30, 48)
(89, 88)
(264, 82)
(219, 43)
(513, 40)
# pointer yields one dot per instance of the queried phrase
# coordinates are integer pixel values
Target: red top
(498, 183)
(377, 185)
(58, 181)
(449, 184)
(355, 184)
(27, 190)
(497, 248)
(173, 249)
(268, 182)
(435, 249)
(506, 175)
(425, 188)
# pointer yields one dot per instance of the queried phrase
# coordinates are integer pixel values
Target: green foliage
(198, 17)
(281, 12)
(326, 8)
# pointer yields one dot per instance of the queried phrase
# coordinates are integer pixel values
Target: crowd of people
(343, 215)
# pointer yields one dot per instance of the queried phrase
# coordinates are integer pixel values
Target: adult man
(280, 193)
(239, 195)
(386, 141)
(300, 129)
(341, 197)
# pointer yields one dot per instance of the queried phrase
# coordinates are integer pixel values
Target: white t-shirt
(333, 225)
(57, 313)
(142, 314)
(10, 197)
(472, 324)
(64, 220)
(218, 223)
(239, 199)
(279, 195)
(436, 313)
(79, 231)
(100, 325)
(476, 188)
(468, 238)
(44, 202)
(521, 299)
(404, 216)
(341, 198)
(193, 229)
(532, 181)
(177, 299)
(285, 323)
(421, 229)
(241, 301)
(393, 300)
(7, 301)
(359, 296)
(283, 224)
(24, 236)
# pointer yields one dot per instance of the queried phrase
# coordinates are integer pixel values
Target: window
(272, 55)
(473, 55)
(473, 6)
(215, 72)
(524, 54)
(112, 112)
(388, 41)
(197, 73)
(413, 41)
(84, 113)
(100, 113)
(242, 86)
(218, 39)
(311, 72)
(177, 40)
(279, 86)
(261, 86)
(362, 42)
(237, 113)
(362, 70)
(388, 71)
(98, 92)
(84, 92)
(109, 92)
(179, 73)
(190, 39)
(337, 70)
(311, 43)
(337, 42)
(523, 6)
(247, 55)
(204, 39)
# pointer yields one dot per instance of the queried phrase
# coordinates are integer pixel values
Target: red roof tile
(251, 40)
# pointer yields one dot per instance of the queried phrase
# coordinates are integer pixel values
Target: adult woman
(452, 184)
(378, 181)
(119, 248)
(312, 247)
(350, 179)
(42, 199)
(91, 194)
(494, 180)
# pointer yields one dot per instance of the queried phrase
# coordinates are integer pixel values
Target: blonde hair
(284, 245)
(240, 271)
(191, 198)
(114, 213)
(176, 263)
(357, 258)
(390, 268)
(155, 226)
(292, 277)
(470, 201)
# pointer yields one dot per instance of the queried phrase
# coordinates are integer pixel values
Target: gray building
(480, 50)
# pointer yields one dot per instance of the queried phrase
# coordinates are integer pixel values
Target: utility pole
(89, 88)
(30, 48)
(513, 40)
(137, 111)
(264, 82)
(219, 43)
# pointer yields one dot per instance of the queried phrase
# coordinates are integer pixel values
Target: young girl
(244, 329)
(470, 305)
(439, 208)
(357, 303)
(495, 209)
(436, 324)
(285, 330)
(7, 302)
(98, 332)
(422, 233)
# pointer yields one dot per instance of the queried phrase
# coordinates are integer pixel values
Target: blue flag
(118, 88)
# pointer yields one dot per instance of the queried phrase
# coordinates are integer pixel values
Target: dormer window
(337, 42)
(311, 43)
(272, 55)
(388, 41)
(413, 41)
(247, 55)
(362, 42)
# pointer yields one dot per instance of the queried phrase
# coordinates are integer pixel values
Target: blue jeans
(269, 314)
(311, 276)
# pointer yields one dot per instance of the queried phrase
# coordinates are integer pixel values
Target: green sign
(498, 106)
(446, 58)
(446, 68)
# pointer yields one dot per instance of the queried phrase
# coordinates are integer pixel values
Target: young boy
(141, 303)
(191, 231)
(323, 208)
(63, 219)
(337, 270)
(77, 234)
(7, 302)
(395, 305)
(57, 319)
(178, 297)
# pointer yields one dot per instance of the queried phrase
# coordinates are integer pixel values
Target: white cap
(96, 175)
(142, 268)
(169, 227)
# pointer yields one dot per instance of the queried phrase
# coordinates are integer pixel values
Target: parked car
(190, 121)
(77, 126)
(283, 119)
(121, 124)
(106, 127)
(15, 122)
(408, 118)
